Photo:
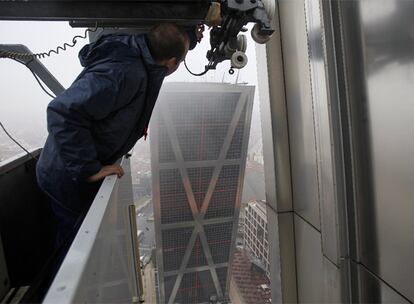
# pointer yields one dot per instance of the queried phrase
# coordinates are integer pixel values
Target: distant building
(199, 138)
(258, 157)
(255, 234)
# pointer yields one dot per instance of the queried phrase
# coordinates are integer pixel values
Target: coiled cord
(64, 47)
(28, 56)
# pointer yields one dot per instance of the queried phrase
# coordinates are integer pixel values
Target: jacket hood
(117, 46)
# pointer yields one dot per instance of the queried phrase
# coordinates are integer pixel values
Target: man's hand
(105, 171)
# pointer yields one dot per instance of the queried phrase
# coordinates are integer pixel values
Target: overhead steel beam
(108, 13)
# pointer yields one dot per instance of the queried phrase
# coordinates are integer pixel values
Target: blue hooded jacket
(99, 117)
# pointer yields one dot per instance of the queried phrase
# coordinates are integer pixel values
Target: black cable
(194, 74)
(34, 75)
(40, 84)
(16, 142)
(16, 56)
(43, 88)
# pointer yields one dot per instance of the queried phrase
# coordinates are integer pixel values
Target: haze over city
(23, 103)
(23, 113)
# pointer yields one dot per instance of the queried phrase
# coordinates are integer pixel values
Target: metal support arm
(106, 13)
(35, 66)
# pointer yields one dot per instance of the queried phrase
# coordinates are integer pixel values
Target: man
(101, 116)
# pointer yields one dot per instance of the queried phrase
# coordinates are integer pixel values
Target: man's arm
(71, 115)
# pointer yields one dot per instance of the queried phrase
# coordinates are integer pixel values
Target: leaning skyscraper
(199, 138)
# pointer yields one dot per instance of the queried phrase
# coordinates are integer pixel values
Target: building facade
(256, 234)
(199, 138)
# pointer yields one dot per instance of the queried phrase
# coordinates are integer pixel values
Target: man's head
(168, 44)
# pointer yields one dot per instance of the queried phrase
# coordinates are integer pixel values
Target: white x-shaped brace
(199, 215)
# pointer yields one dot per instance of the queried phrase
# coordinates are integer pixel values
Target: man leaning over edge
(101, 116)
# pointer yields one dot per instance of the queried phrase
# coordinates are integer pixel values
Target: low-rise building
(255, 233)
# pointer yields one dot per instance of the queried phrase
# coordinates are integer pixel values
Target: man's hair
(167, 40)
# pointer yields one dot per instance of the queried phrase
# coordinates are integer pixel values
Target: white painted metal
(98, 266)
(312, 150)
(277, 169)
(300, 110)
(378, 58)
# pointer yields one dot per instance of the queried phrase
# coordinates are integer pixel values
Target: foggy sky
(23, 103)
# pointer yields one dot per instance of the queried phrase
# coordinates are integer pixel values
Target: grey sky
(23, 103)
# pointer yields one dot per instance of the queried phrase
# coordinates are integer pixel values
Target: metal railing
(102, 265)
